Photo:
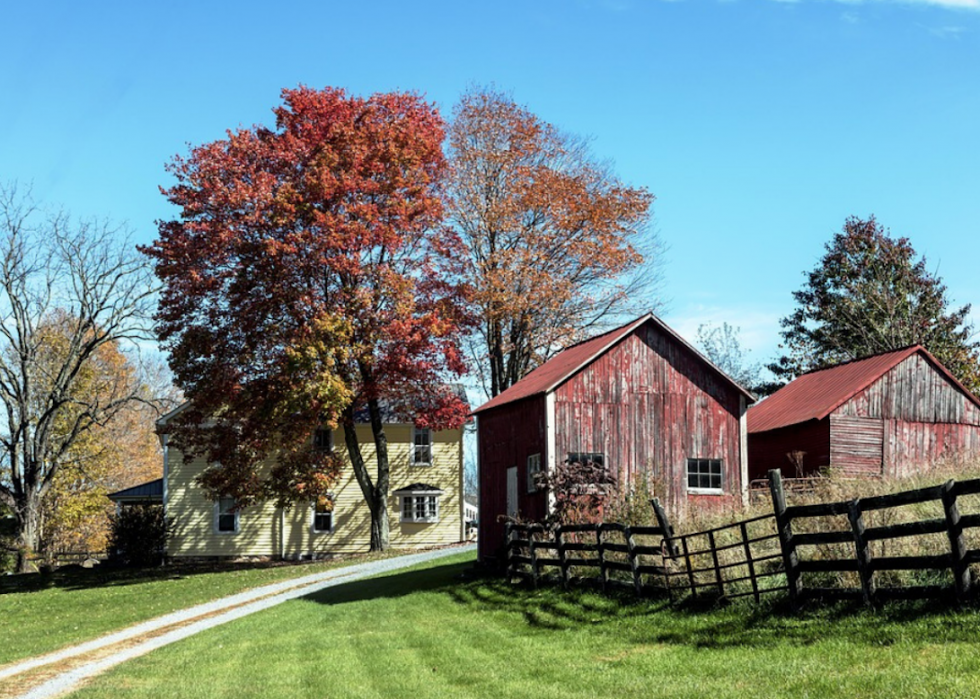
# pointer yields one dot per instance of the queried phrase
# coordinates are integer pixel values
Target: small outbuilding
(638, 400)
(885, 415)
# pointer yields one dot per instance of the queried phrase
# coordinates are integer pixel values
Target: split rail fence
(833, 549)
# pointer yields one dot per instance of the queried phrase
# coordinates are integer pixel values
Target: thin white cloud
(758, 329)
(948, 32)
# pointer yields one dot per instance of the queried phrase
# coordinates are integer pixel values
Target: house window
(226, 517)
(322, 517)
(323, 440)
(704, 476)
(421, 446)
(420, 507)
(533, 469)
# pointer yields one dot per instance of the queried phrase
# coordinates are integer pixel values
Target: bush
(138, 535)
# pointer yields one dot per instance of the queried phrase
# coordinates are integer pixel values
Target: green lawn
(425, 633)
(43, 613)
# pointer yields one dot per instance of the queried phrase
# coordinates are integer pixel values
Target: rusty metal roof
(570, 361)
(816, 395)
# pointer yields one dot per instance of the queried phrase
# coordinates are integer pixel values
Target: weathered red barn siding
(649, 404)
(891, 414)
(508, 435)
(768, 450)
(921, 416)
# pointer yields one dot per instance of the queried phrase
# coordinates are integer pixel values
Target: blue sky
(759, 125)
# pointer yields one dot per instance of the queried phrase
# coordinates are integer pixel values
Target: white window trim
(217, 516)
(327, 448)
(333, 521)
(414, 447)
(414, 495)
(705, 491)
(531, 485)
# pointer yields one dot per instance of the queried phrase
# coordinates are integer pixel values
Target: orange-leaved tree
(308, 281)
(557, 245)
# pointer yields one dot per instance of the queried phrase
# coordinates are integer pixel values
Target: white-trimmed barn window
(226, 517)
(421, 446)
(322, 517)
(704, 476)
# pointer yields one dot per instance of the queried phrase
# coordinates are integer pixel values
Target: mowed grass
(426, 633)
(41, 613)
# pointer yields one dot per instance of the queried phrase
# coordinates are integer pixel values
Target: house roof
(816, 395)
(390, 413)
(569, 362)
(152, 491)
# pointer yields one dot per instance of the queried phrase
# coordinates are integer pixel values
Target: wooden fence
(794, 550)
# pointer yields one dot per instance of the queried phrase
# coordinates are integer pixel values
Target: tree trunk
(28, 514)
(380, 540)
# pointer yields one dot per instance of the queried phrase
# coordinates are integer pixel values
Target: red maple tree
(308, 282)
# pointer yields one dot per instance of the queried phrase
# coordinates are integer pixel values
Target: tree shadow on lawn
(696, 624)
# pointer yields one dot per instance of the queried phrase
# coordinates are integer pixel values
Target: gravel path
(143, 638)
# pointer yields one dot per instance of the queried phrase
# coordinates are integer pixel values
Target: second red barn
(885, 415)
(638, 399)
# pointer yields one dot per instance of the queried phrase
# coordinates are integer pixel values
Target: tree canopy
(308, 277)
(871, 293)
(555, 241)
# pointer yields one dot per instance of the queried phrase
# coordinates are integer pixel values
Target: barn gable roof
(816, 395)
(570, 361)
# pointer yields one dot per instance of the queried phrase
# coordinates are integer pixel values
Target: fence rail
(782, 552)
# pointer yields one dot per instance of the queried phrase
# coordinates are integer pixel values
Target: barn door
(856, 445)
(512, 491)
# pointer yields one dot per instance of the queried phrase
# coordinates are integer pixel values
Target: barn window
(584, 457)
(533, 469)
(704, 476)
(421, 446)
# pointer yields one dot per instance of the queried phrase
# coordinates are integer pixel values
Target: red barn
(638, 399)
(888, 414)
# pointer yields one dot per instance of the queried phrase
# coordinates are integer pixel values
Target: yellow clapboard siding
(264, 531)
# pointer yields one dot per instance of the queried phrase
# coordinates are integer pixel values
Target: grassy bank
(425, 633)
(41, 613)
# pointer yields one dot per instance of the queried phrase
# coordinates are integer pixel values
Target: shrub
(138, 535)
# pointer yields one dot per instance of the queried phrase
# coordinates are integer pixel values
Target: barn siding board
(649, 404)
(508, 435)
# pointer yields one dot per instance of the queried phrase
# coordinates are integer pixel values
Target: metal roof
(816, 395)
(144, 491)
(569, 362)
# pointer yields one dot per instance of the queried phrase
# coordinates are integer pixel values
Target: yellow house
(425, 502)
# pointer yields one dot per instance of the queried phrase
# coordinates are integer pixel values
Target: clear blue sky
(759, 125)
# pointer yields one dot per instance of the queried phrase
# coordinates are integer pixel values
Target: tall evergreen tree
(871, 293)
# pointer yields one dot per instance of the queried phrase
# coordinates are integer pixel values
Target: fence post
(533, 551)
(560, 542)
(957, 546)
(748, 560)
(509, 549)
(865, 570)
(664, 524)
(791, 560)
(690, 569)
(714, 558)
(634, 561)
(603, 571)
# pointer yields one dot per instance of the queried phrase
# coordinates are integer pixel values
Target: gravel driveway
(142, 638)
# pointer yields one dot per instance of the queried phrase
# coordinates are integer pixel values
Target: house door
(512, 491)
